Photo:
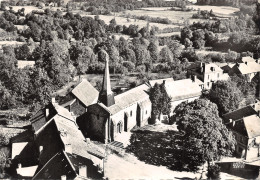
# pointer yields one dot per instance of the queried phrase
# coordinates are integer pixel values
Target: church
(112, 115)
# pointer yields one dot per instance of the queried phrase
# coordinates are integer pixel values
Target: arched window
(119, 127)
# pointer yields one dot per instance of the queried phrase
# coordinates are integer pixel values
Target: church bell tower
(106, 96)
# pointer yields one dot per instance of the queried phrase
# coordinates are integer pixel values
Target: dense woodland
(64, 46)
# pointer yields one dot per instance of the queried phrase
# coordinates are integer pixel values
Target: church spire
(106, 96)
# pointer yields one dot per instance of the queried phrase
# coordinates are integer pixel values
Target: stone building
(207, 73)
(245, 125)
(57, 148)
(111, 116)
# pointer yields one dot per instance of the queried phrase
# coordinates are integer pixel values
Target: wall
(50, 140)
(212, 76)
(252, 152)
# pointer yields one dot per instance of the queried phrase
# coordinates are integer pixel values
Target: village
(82, 98)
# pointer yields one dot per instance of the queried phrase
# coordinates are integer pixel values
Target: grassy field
(226, 11)
(123, 21)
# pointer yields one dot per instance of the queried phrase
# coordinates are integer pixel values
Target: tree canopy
(226, 95)
(205, 138)
(161, 102)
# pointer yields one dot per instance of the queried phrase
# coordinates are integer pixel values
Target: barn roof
(85, 93)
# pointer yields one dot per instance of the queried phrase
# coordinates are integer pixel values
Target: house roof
(57, 166)
(70, 133)
(85, 93)
(239, 114)
(126, 99)
(252, 125)
(238, 126)
(182, 89)
(247, 59)
(250, 67)
(39, 119)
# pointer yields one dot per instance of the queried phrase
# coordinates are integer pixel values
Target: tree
(226, 95)
(153, 48)
(161, 102)
(166, 55)
(7, 98)
(205, 138)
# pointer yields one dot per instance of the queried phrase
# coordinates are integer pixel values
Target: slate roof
(39, 119)
(57, 166)
(126, 99)
(239, 114)
(85, 93)
(238, 127)
(71, 134)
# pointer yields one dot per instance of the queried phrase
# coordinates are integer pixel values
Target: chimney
(88, 140)
(83, 171)
(164, 82)
(47, 112)
(63, 177)
(40, 148)
(193, 78)
(53, 100)
(68, 148)
(19, 166)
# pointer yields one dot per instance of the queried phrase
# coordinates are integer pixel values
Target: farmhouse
(245, 125)
(111, 116)
(207, 73)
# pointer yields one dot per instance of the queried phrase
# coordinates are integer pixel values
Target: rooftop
(252, 125)
(250, 67)
(85, 92)
(137, 94)
(239, 114)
